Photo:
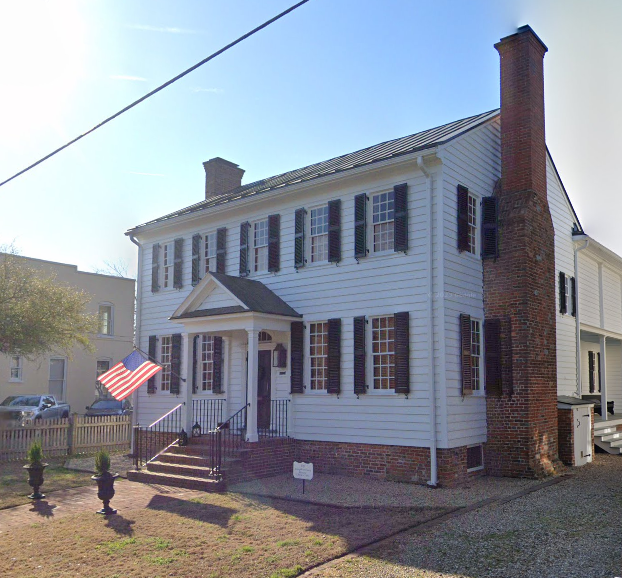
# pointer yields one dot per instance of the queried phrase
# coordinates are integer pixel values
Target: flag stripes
(128, 375)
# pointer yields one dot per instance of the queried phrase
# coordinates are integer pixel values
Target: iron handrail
(156, 438)
(166, 414)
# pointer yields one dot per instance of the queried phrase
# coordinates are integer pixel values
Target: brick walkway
(129, 495)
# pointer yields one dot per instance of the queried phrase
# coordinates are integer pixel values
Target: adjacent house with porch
(408, 311)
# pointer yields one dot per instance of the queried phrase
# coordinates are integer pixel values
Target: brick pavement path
(129, 495)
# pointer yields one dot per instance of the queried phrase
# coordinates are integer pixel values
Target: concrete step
(609, 424)
(608, 446)
(610, 437)
(185, 459)
(177, 481)
(179, 469)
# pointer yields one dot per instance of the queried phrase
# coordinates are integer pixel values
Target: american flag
(128, 375)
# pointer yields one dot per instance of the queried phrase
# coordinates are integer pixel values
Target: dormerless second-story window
(260, 246)
(105, 320)
(209, 253)
(319, 234)
(472, 225)
(167, 265)
(383, 215)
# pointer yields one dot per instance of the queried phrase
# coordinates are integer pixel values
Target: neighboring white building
(73, 378)
(367, 269)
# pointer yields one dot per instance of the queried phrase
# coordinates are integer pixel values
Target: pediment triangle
(208, 294)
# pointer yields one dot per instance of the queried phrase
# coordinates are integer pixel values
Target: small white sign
(303, 471)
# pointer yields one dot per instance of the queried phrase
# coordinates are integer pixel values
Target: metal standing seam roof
(379, 152)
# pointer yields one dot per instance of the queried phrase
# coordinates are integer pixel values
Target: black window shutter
(360, 226)
(590, 364)
(221, 249)
(400, 222)
(244, 228)
(274, 243)
(297, 353)
(196, 259)
(465, 354)
(175, 363)
(178, 265)
(334, 231)
(359, 356)
(334, 356)
(463, 218)
(562, 293)
(402, 352)
(492, 350)
(155, 268)
(195, 353)
(217, 357)
(490, 227)
(573, 289)
(598, 362)
(151, 384)
(299, 238)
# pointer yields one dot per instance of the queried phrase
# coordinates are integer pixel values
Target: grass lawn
(14, 487)
(214, 536)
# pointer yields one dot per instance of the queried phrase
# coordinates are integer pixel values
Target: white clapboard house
(339, 312)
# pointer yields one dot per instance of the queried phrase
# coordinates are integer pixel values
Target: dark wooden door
(264, 386)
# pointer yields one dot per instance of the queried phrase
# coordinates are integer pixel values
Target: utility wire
(150, 94)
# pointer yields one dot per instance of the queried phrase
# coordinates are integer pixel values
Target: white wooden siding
(566, 325)
(612, 300)
(474, 161)
(589, 290)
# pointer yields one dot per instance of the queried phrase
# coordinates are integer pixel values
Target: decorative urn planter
(35, 479)
(105, 491)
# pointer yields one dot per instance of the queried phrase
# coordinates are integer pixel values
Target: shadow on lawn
(196, 510)
(120, 525)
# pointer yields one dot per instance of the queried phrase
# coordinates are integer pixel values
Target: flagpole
(159, 364)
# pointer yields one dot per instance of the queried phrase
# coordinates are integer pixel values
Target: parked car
(108, 407)
(23, 408)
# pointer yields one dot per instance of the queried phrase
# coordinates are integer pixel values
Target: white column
(251, 385)
(188, 421)
(603, 377)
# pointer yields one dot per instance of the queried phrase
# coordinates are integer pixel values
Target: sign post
(303, 471)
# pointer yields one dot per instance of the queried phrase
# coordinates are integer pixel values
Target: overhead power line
(161, 87)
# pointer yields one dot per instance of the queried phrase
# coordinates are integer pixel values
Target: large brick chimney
(221, 176)
(519, 286)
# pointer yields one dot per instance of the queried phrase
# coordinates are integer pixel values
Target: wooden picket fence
(69, 436)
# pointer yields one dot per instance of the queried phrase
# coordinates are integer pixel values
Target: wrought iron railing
(207, 413)
(225, 440)
(152, 440)
(278, 420)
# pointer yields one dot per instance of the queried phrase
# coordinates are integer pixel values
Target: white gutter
(137, 330)
(431, 377)
(578, 322)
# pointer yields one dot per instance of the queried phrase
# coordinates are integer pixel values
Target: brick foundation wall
(519, 285)
(262, 460)
(565, 428)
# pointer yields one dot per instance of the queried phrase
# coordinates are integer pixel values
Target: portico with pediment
(238, 341)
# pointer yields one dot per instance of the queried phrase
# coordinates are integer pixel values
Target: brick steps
(178, 481)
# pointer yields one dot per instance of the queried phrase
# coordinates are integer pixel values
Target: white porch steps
(607, 437)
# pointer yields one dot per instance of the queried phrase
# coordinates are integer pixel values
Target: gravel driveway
(569, 529)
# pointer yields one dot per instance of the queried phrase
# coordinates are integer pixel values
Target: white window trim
(478, 236)
(370, 223)
(225, 372)
(64, 389)
(568, 293)
(20, 366)
(161, 373)
(369, 356)
(203, 259)
(307, 385)
(309, 240)
(171, 245)
(111, 305)
(109, 361)
(477, 468)
(481, 391)
(251, 248)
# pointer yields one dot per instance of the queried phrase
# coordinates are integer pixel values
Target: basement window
(475, 458)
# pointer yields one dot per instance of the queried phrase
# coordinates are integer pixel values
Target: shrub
(35, 454)
(102, 462)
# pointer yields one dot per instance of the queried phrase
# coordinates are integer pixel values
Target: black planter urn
(35, 480)
(105, 491)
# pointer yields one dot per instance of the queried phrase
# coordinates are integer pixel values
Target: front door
(264, 385)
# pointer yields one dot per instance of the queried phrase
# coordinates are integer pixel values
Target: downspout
(136, 332)
(432, 379)
(578, 323)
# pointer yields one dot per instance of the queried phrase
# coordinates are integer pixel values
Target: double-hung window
(383, 215)
(383, 353)
(106, 319)
(472, 226)
(318, 355)
(209, 252)
(165, 362)
(16, 368)
(168, 260)
(319, 234)
(207, 363)
(476, 355)
(260, 246)
(567, 295)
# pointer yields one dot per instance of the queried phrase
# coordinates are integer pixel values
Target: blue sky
(332, 77)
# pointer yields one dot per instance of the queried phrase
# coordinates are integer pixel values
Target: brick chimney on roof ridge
(519, 285)
(221, 176)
